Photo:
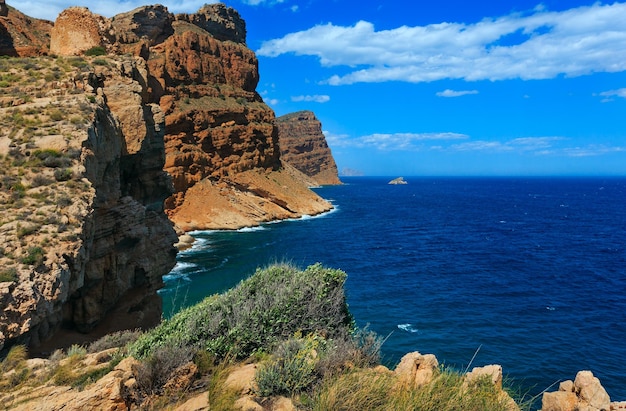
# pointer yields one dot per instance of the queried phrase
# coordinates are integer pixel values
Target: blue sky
(440, 88)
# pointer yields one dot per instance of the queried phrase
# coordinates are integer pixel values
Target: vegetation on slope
(294, 324)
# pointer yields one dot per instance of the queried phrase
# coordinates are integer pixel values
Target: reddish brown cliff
(304, 146)
(21, 35)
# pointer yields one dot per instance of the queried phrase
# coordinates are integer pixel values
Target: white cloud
(395, 141)
(591, 150)
(608, 95)
(315, 98)
(574, 42)
(455, 93)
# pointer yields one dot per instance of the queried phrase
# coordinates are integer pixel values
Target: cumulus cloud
(536, 45)
(455, 93)
(315, 98)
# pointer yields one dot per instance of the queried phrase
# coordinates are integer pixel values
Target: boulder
(585, 393)
(559, 401)
(590, 391)
(77, 30)
(416, 369)
(493, 372)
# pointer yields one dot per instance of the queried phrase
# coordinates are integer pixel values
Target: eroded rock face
(152, 24)
(21, 35)
(304, 146)
(224, 23)
(116, 242)
(77, 30)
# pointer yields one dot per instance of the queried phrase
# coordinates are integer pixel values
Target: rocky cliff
(84, 240)
(21, 35)
(85, 142)
(304, 146)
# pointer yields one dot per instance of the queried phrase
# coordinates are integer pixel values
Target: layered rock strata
(304, 146)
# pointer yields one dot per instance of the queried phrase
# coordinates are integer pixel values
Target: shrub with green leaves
(292, 368)
(267, 308)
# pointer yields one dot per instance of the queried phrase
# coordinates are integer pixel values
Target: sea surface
(529, 273)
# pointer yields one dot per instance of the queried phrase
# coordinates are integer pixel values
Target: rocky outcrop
(584, 393)
(303, 145)
(77, 30)
(174, 93)
(398, 181)
(223, 23)
(21, 35)
(93, 258)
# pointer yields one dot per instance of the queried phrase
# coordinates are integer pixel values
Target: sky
(445, 88)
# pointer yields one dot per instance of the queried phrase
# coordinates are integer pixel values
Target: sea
(528, 273)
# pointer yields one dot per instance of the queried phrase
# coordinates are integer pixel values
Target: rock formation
(584, 393)
(398, 181)
(86, 241)
(303, 145)
(95, 135)
(21, 35)
(77, 30)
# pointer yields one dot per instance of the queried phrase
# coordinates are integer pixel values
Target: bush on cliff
(267, 308)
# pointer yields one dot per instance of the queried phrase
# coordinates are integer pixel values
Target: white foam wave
(182, 266)
(410, 328)
(251, 229)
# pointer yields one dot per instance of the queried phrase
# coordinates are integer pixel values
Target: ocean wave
(410, 328)
(251, 229)
(182, 266)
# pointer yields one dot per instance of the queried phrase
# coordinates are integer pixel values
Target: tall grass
(369, 390)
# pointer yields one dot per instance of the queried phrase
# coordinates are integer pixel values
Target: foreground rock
(303, 145)
(585, 393)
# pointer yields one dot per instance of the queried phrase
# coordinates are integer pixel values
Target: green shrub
(56, 114)
(291, 370)
(8, 275)
(157, 368)
(34, 257)
(96, 51)
(15, 358)
(269, 307)
(63, 174)
(15, 365)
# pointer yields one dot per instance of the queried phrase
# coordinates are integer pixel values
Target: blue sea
(529, 273)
